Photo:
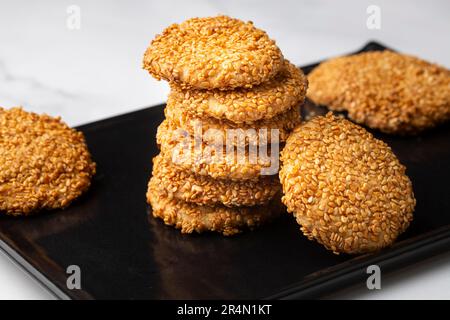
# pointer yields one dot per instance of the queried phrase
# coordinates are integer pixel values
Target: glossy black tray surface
(124, 254)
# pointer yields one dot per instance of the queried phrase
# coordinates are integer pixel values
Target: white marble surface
(95, 72)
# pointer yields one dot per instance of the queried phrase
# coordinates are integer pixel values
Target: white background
(95, 72)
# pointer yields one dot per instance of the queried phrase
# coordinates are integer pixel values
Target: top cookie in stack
(213, 53)
(225, 76)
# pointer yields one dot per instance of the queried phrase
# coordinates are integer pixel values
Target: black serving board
(125, 254)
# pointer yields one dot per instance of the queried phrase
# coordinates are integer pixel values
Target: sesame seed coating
(245, 133)
(213, 53)
(346, 189)
(195, 218)
(200, 158)
(392, 92)
(203, 190)
(44, 164)
(265, 101)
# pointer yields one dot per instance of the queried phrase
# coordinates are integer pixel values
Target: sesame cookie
(213, 53)
(195, 218)
(186, 186)
(345, 188)
(216, 161)
(392, 92)
(265, 101)
(214, 130)
(44, 164)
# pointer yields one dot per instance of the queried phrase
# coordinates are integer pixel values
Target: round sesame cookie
(283, 92)
(345, 188)
(196, 218)
(44, 164)
(213, 53)
(392, 92)
(216, 161)
(186, 186)
(216, 131)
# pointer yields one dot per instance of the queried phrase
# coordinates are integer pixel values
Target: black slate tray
(124, 254)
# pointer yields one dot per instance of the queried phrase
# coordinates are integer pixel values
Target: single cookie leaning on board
(44, 164)
(392, 92)
(265, 101)
(186, 186)
(197, 218)
(219, 131)
(213, 53)
(345, 188)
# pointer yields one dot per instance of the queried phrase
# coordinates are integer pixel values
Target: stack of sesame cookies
(234, 101)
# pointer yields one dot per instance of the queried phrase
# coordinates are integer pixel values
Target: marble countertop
(48, 64)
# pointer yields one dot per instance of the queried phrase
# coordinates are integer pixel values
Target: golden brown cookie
(213, 53)
(195, 218)
(265, 101)
(346, 189)
(216, 161)
(214, 130)
(44, 164)
(392, 92)
(186, 186)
